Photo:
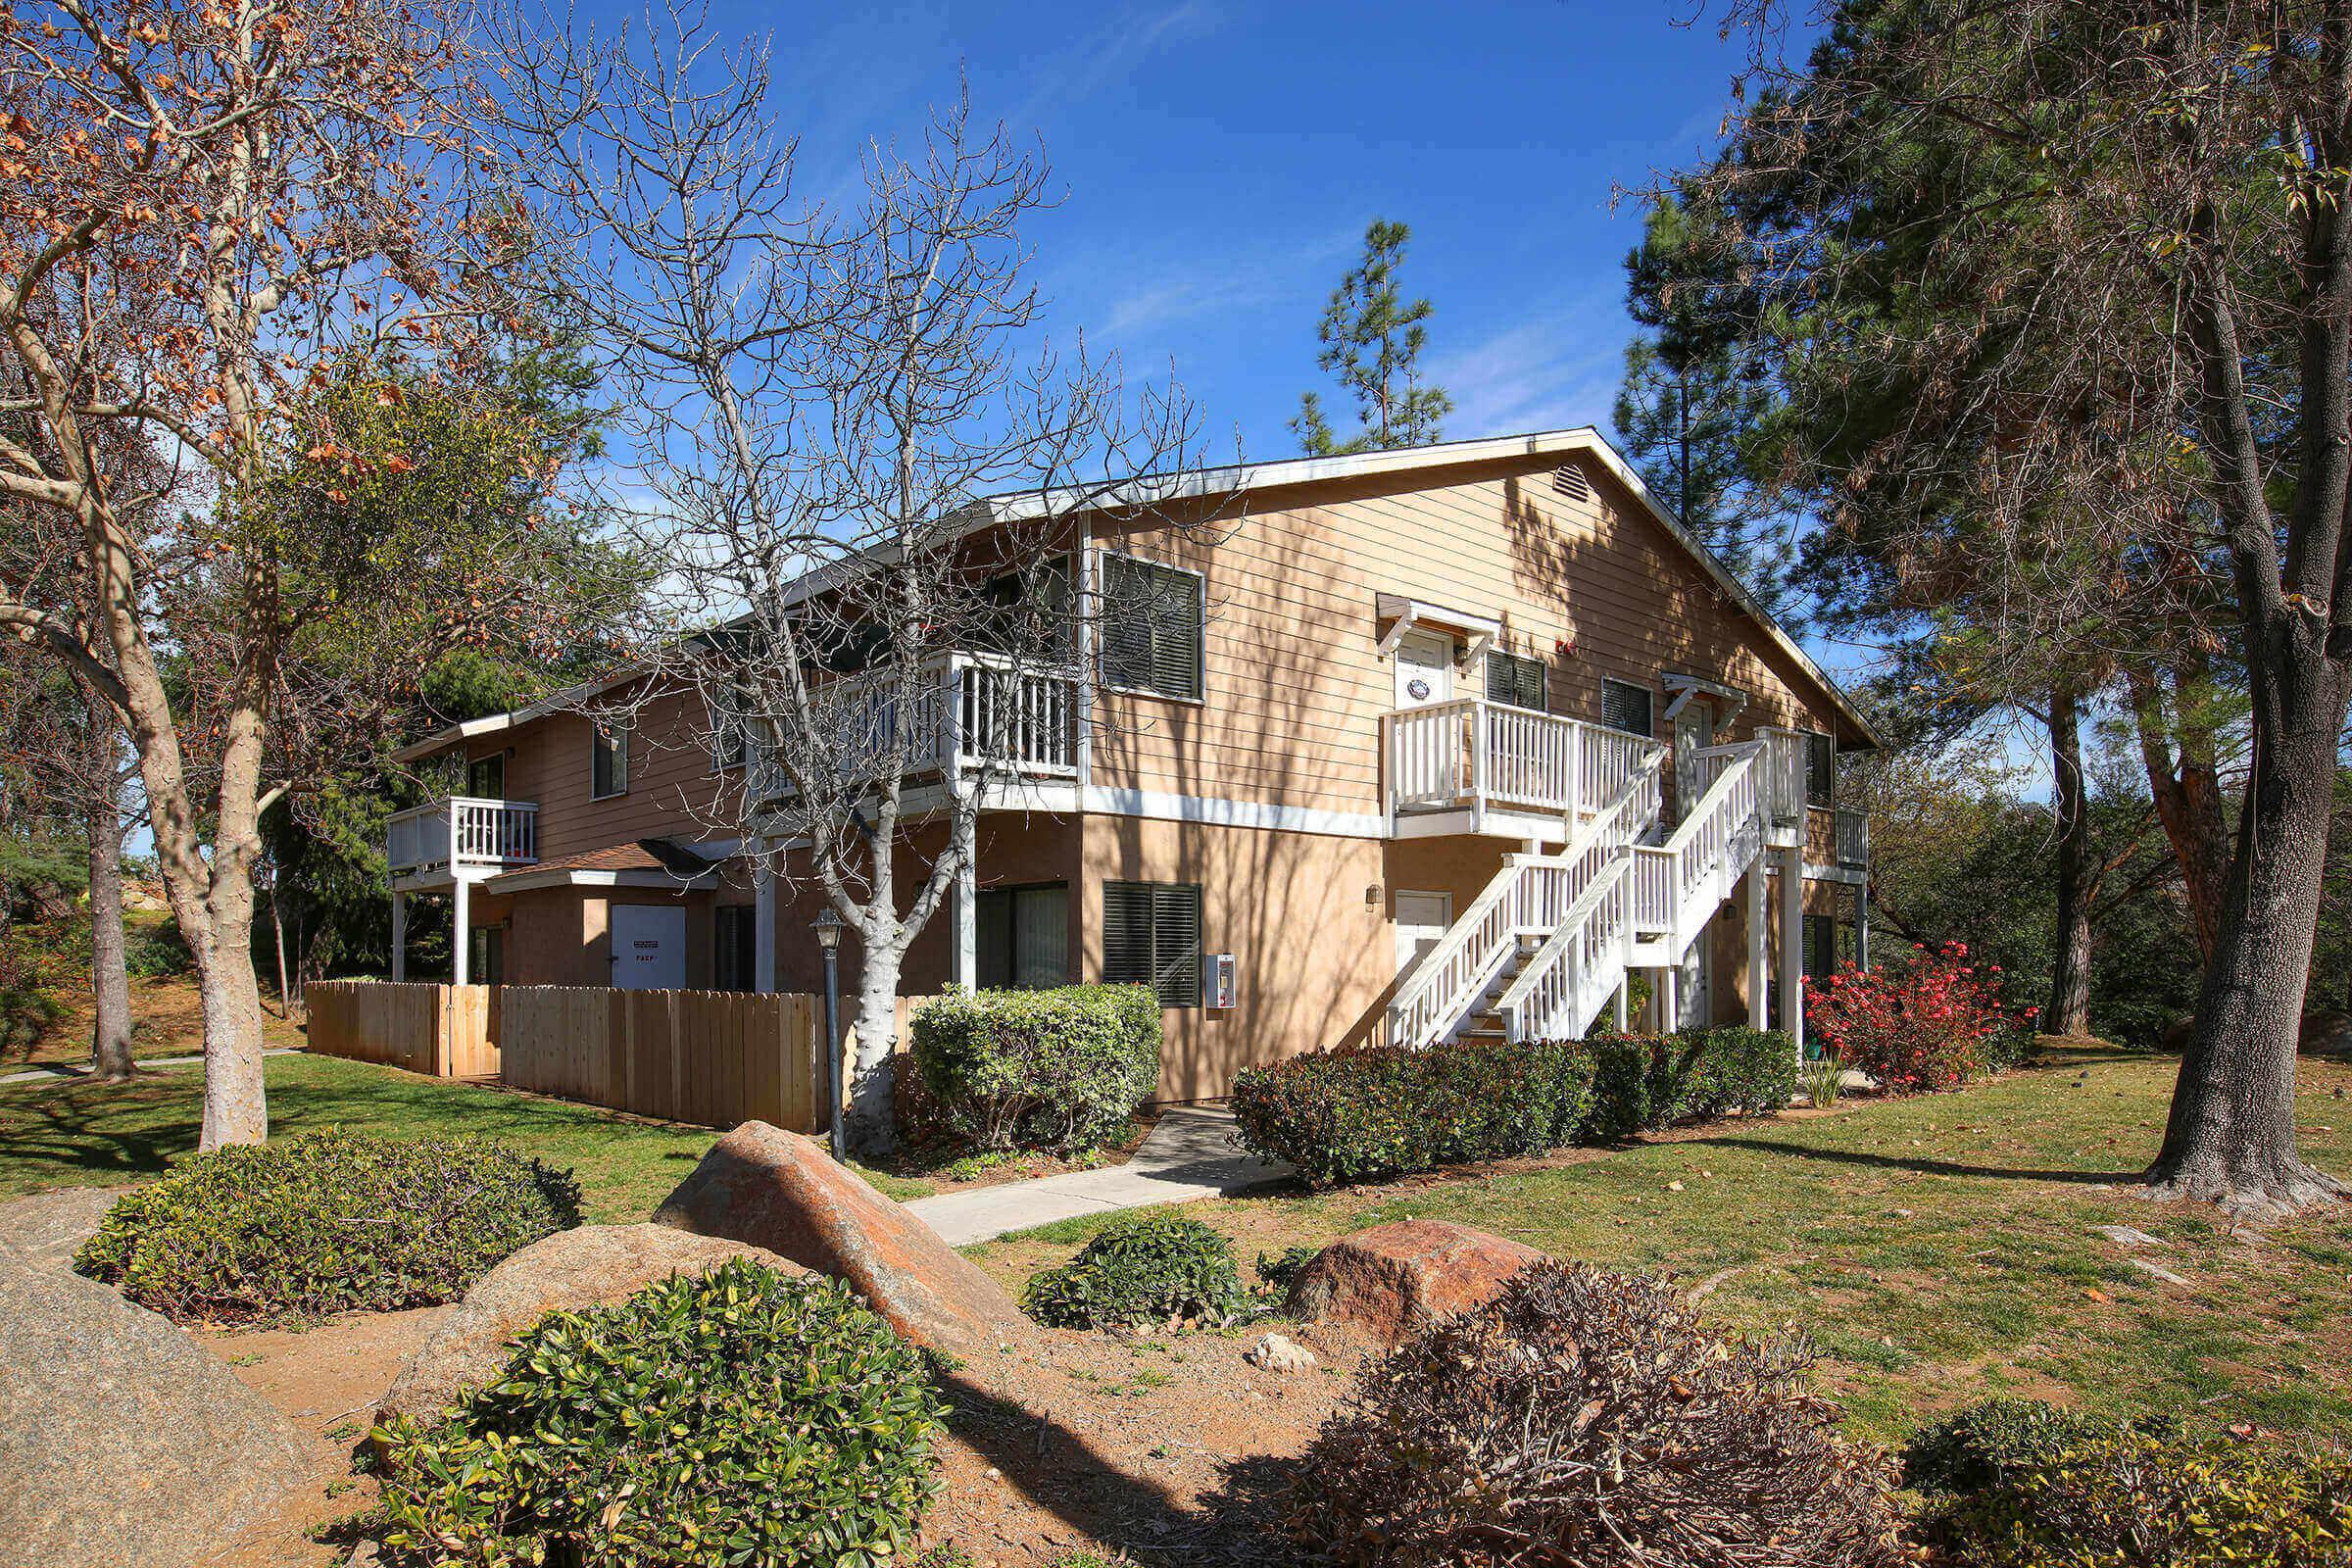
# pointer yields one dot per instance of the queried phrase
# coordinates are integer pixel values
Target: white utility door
(1424, 670)
(1693, 730)
(1421, 919)
(649, 947)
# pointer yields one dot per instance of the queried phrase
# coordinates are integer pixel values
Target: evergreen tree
(1372, 342)
(1695, 405)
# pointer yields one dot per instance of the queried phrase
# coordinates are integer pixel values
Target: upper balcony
(1470, 765)
(460, 836)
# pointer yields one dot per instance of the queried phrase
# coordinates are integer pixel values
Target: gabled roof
(1029, 506)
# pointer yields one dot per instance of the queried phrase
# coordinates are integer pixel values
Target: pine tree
(1372, 342)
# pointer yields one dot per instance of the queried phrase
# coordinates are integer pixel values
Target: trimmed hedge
(739, 1417)
(2018, 1484)
(1059, 1070)
(327, 1222)
(1151, 1268)
(1383, 1110)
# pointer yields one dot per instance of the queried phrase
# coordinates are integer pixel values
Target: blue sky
(1220, 162)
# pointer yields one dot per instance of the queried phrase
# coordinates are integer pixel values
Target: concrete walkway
(1188, 1156)
(60, 1072)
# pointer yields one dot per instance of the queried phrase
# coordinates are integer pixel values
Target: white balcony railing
(1473, 753)
(977, 712)
(461, 830)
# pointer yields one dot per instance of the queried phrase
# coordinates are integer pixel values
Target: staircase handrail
(1429, 1000)
(1614, 843)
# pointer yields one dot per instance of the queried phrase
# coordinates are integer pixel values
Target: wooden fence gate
(445, 1031)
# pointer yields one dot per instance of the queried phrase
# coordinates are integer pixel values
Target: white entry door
(649, 947)
(1424, 670)
(1693, 730)
(1421, 919)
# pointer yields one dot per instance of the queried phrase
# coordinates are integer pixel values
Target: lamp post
(828, 937)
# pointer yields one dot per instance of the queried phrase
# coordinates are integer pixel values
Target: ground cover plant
(1152, 1267)
(327, 1222)
(2019, 1483)
(1057, 1069)
(740, 1417)
(1937, 1249)
(1590, 1417)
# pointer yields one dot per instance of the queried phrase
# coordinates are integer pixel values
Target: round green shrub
(2018, 1484)
(1586, 1417)
(742, 1417)
(1374, 1111)
(327, 1222)
(1059, 1070)
(1148, 1269)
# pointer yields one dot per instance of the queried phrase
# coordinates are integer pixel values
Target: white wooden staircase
(1546, 946)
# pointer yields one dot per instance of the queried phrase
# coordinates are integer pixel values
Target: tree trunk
(110, 981)
(2230, 1139)
(2068, 1012)
(2185, 781)
(872, 1122)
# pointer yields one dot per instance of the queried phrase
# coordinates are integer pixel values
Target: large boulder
(49, 1228)
(123, 1443)
(593, 1265)
(783, 1192)
(1396, 1277)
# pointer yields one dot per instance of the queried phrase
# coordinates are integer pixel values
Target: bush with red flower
(1929, 1019)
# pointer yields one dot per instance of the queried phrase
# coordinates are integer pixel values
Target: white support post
(1669, 982)
(1792, 947)
(763, 927)
(1759, 1010)
(965, 927)
(399, 937)
(1625, 988)
(459, 935)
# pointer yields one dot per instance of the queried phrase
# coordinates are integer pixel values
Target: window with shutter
(1626, 706)
(1821, 768)
(1821, 946)
(609, 758)
(1154, 624)
(1516, 679)
(1152, 937)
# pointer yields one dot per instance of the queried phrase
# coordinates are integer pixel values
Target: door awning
(1686, 686)
(1405, 614)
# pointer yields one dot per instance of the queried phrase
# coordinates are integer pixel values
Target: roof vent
(1569, 480)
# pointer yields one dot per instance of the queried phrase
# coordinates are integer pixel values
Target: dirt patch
(168, 1020)
(1164, 1448)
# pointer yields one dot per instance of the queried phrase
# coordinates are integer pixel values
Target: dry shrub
(1587, 1420)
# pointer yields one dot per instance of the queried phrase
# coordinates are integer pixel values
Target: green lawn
(77, 1134)
(1937, 1249)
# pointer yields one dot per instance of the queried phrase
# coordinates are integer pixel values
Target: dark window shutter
(1176, 945)
(1626, 706)
(1517, 680)
(1151, 627)
(1821, 769)
(1127, 933)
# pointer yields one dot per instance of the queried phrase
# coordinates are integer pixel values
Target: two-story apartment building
(1444, 739)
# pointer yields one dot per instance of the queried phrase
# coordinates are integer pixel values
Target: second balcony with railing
(460, 836)
(1479, 767)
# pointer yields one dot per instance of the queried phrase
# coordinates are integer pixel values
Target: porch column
(1668, 984)
(1759, 1008)
(400, 936)
(1792, 947)
(965, 962)
(763, 926)
(458, 934)
(1625, 990)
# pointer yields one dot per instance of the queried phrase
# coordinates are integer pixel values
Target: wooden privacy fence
(710, 1057)
(446, 1031)
(714, 1057)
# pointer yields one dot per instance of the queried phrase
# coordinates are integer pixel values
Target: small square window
(1152, 937)
(1626, 706)
(1517, 680)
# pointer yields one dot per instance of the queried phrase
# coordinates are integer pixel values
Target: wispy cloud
(1226, 280)
(1555, 371)
(1110, 53)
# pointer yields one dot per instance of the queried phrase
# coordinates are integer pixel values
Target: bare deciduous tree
(860, 457)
